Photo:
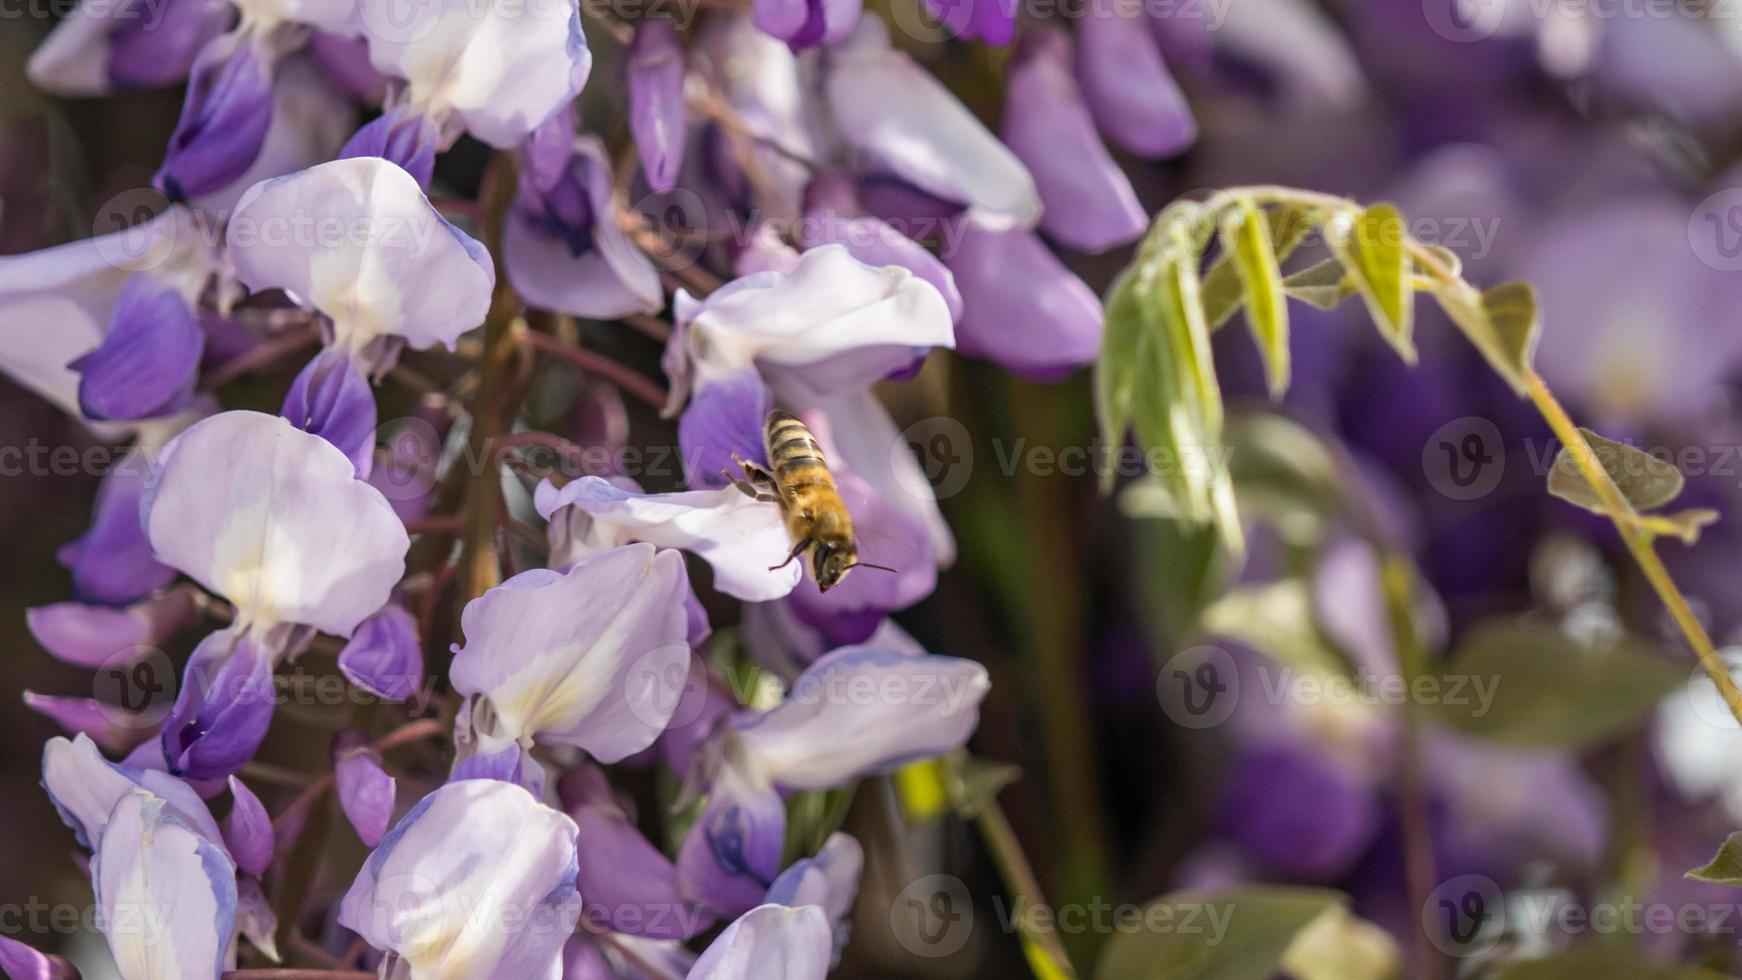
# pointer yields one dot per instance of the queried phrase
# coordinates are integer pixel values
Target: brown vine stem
(411, 731)
(492, 410)
(1397, 584)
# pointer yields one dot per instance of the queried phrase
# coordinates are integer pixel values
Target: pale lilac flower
(887, 107)
(112, 730)
(84, 787)
(167, 893)
(476, 882)
(562, 245)
(741, 537)
(1090, 205)
(771, 90)
(496, 70)
(274, 520)
(769, 941)
(357, 240)
(592, 657)
(365, 789)
(385, 655)
(657, 117)
(833, 216)
(831, 323)
(828, 880)
(856, 712)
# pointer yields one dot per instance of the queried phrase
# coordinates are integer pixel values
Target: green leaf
(1372, 246)
(1601, 961)
(1223, 291)
(1285, 475)
(975, 782)
(1725, 868)
(1644, 480)
(1446, 257)
(1246, 240)
(1241, 934)
(1323, 285)
(1528, 683)
(1125, 351)
(1504, 326)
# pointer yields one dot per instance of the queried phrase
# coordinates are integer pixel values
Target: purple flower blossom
(166, 892)
(656, 100)
(365, 789)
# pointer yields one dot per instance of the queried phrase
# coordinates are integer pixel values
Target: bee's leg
(797, 549)
(760, 483)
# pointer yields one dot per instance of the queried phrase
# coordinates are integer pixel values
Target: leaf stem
(1637, 540)
(1019, 879)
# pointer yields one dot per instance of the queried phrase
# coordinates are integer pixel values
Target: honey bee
(816, 519)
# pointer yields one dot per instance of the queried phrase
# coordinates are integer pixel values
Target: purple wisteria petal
(405, 137)
(1299, 812)
(332, 399)
(1024, 309)
(255, 919)
(224, 707)
(21, 962)
(476, 881)
(830, 305)
(806, 23)
(992, 21)
(564, 250)
(1128, 88)
(112, 562)
(345, 60)
(731, 854)
(1090, 205)
(723, 419)
(248, 830)
(511, 764)
(770, 89)
(111, 728)
(357, 240)
(365, 789)
(84, 788)
(657, 118)
(593, 657)
(629, 885)
(497, 70)
(167, 894)
(740, 537)
(896, 113)
(95, 636)
(223, 121)
(274, 519)
(311, 118)
(385, 656)
(860, 711)
(1300, 47)
(148, 361)
(769, 940)
(99, 47)
(699, 710)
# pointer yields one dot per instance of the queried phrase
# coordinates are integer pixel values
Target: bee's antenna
(881, 568)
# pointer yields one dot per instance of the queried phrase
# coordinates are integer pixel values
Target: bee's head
(830, 563)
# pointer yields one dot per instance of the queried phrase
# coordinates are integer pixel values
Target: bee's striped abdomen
(794, 455)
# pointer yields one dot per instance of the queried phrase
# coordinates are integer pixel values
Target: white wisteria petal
(500, 67)
(594, 657)
(741, 537)
(166, 895)
(357, 240)
(769, 941)
(84, 787)
(274, 519)
(829, 305)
